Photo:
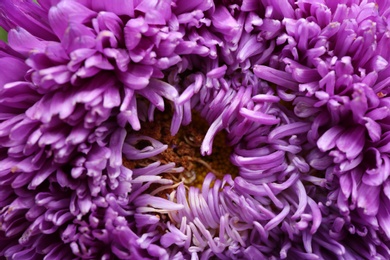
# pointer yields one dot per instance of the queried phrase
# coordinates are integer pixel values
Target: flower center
(184, 150)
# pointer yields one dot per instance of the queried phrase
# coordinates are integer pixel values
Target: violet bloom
(299, 89)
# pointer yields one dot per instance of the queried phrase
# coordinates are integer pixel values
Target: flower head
(111, 117)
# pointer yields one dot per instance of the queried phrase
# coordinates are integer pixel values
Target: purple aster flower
(211, 129)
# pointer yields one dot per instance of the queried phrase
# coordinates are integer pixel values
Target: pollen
(381, 95)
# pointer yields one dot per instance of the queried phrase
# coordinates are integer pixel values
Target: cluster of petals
(299, 87)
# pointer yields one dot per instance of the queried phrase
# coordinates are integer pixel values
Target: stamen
(162, 188)
(205, 164)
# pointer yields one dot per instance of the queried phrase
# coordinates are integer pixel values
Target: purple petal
(289, 130)
(156, 202)
(277, 77)
(224, 22)
(373, 128)
(368, 199)
(116, 145)
(27, 15)
(328, 140)
(60, 14)
(302, 198)
(351, 142)
(19, 36)
(119, 7)
(384, 217)
(156, 12)
(133, 32)
(12, 70)
(137, 77)
(259, 117)
(278, 219)
(316, 213)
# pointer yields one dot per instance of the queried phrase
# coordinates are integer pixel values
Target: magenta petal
(271, 158)
(265, 98)
(18, 37)
(242, 185)
(64, 12)
(289, 130)
(156, 12)
(302, 198)
(186, 95)
(277, 77)
(386, 189)
(278, 218)
(11, 70)
(316, 213)
(84, 204)
(368, 199)
(379, 168)
(183, 6)
(133, 32)
(116, 145)
(164, 89)
(224, 22)
(77, 36)
(379, 113)
(259, 117)
(119, 7)
(41, 176)
(351, 142)
(156, 202)
(111, 98)
(216, 126)
(137, 77)
(373, 128)
(384, 216)
(26, 14)
(328, 140)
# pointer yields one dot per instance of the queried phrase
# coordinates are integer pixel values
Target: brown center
(184, 150)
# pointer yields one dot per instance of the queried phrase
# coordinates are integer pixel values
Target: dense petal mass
(299, 90)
